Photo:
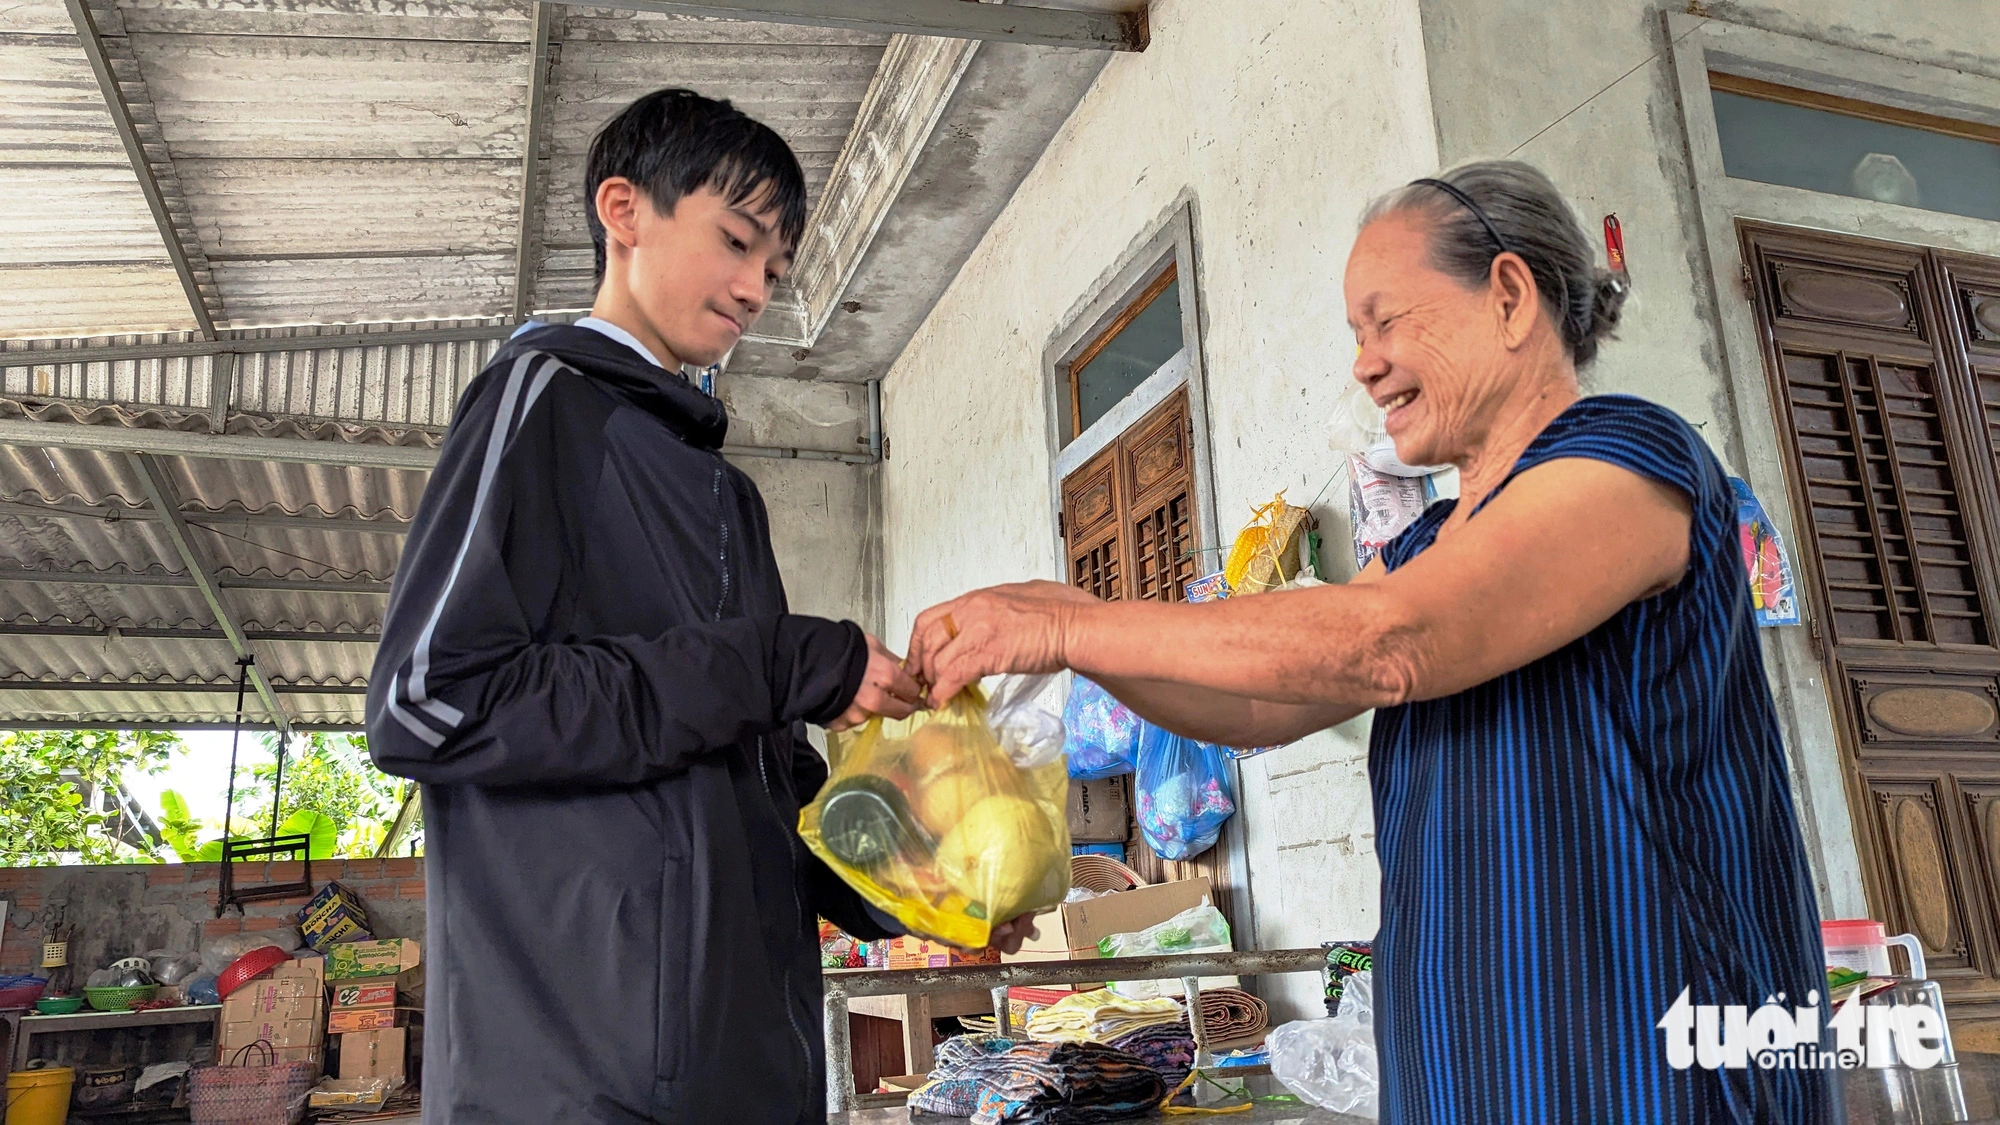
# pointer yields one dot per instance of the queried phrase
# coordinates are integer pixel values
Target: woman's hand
(1022, 627)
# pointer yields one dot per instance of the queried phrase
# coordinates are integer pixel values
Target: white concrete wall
(1584, 90)
(1282, 119)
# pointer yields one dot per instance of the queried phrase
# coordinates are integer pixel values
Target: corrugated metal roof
(79, 250)
(236, 550)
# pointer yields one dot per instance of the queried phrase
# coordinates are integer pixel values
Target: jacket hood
(667, 395)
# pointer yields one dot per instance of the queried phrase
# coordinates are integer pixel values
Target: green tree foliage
(43, 820)
(332, 793)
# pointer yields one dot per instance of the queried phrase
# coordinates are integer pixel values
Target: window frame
(1073, 368)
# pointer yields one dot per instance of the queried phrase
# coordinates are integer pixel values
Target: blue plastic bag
(1182, 793)
(1102, 734)
(202, 990)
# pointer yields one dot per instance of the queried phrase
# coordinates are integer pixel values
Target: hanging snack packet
(953, 819)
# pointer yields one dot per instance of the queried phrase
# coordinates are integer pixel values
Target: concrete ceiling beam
(1012, 23)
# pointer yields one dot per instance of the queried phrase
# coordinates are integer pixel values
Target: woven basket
(119, 999)
(236, 1093)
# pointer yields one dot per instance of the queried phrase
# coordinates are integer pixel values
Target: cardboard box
(359, 960)
(344, 1020)
(916, 953)
(1071, 931)
(278, 1033)
(1100, 810)
(375, 1054)
(243, 1006)
(336, 914)
(900, 1083)
(380, 992)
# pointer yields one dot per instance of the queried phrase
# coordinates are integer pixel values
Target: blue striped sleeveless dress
(1568, 846)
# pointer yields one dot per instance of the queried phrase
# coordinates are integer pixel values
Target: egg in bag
(953, 819)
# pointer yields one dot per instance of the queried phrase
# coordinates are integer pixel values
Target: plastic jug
(39, 1097)
(1860, 944)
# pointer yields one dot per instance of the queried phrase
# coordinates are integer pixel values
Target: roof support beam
(177, 687)
(160, 493)
(30, 507)
(179, 443)
(15, 572)
(121, 117)
(527, 253)
(248, 345)
(153, 633)
(953, 19)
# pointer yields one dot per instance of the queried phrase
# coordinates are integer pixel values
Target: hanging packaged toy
(1380, 505)
(1101, 735)
(953, 819)
(1182, 793)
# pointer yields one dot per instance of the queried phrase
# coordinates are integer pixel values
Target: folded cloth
(1100, 1015)
(962, 1064)
(1230, 1013)
(1066, 1084)
(1168, 1049)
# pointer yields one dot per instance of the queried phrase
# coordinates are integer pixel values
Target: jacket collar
(667, 395)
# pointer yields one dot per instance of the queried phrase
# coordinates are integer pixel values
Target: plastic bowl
(59, 1005)
(118, 999)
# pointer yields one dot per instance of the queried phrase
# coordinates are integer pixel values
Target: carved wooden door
(1128, 523)
(1885, 364)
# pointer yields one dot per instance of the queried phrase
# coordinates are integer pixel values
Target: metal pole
(839, 1052)
(1003, 1019)
(875, 420)
(278, 785)
(235, 733)
(1197, 1024)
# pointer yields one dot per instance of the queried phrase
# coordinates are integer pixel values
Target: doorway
(1884, 366)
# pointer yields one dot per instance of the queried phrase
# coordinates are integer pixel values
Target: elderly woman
(1580, 795)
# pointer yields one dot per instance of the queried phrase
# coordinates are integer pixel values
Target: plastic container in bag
(1101, 735)
(1182, 793)
(951, 820)
(1331, 1062)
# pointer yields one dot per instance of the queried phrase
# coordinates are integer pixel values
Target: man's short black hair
(675, 142)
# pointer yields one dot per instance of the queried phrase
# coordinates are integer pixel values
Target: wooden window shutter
(1874, 433)
(1129, 520)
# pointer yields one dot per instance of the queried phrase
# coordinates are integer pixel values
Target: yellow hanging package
(951, 820)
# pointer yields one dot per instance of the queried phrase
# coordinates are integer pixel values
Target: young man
(588, 664)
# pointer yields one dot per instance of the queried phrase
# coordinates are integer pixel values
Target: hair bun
(1607, 300)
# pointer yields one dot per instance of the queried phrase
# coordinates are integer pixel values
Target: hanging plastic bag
(953, 819)
(1182, 792)
(1380, 506)
(1331, 1062)
(1102, 734)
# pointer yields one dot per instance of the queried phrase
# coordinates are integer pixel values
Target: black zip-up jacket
(588, 664)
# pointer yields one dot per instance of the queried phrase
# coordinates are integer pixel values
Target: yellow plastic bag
(953, 819)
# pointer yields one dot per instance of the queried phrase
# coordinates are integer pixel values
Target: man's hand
(1018, 628)
(1008, 936)
(886, 690)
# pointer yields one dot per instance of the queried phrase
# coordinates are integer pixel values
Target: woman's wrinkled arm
(1567, 545)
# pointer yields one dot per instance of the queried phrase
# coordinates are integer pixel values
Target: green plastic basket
(118, 999)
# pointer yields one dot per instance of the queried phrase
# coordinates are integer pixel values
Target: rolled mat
(1229, 1014)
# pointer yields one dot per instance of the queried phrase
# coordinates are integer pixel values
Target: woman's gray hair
(1531, 219)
